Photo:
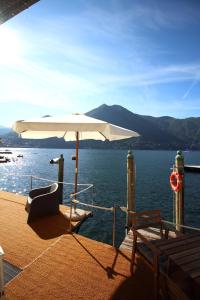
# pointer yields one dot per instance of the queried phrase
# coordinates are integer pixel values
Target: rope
(94, 206)
(40, 255)
(66, 183)
(78, 193)
(45, 179)
(184, 226)
(125, 210)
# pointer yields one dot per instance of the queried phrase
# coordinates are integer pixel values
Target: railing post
(61, 176)
(114, 224)
(179, 195)
(93, 196)
(60, 162)
(70, 216)
(31, 182)
(130, 185)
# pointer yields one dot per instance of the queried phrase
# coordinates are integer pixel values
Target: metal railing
(31, 178)
(113, 209)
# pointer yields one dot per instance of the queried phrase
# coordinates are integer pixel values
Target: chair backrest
(147, 218)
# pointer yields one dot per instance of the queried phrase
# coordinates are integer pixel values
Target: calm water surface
(106, 169)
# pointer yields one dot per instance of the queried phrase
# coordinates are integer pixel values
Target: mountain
(4, 130)
(155, 132)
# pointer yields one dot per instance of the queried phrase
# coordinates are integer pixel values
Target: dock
(51, 263)
(151, 233)
(192, 168)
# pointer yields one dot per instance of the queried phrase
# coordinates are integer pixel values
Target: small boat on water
(4, 159)
(20, 155)
(5, 152)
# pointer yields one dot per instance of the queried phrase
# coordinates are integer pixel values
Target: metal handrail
(112, 209)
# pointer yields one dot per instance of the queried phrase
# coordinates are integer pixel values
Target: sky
(62, 57)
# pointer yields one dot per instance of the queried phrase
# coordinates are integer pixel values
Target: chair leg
(156, 285)
(163, 289)
(134, 248)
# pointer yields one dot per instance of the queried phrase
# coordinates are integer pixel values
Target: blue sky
(61, 57)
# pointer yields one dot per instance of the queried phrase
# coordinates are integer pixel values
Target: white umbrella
(72, 128)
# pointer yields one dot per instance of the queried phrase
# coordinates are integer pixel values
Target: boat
(5, 152)
(20, 155)
(4, 159)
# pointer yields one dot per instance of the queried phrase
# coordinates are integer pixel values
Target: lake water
(106, 169)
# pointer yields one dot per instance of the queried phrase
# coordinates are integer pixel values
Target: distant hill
(4, 130)
(155, 132)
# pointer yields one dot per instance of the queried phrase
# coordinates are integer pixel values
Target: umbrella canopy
(67, 126)
(72, 128)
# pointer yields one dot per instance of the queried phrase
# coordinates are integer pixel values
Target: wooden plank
(186, 256)
(189, 267)
(167, 244)
(184, 247)
(180, 243)
(151, 234)
(76, 224)
(159, 243)
(127, 243)
(144, 223)
(126, 247)
(195, 274)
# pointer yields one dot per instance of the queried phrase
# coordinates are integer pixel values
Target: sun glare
(10, 46)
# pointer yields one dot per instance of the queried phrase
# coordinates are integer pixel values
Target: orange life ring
(176, 181)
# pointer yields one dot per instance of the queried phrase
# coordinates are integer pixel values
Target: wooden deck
(150, 233)
(16, 198)
(55, 264)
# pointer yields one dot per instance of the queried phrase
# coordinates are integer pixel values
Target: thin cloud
(189, 89)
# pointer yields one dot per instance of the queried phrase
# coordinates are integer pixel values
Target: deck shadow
(139, 286)
(111, 273)
(51, 226)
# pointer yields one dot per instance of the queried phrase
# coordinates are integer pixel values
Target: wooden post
(60, 162)
(76, 168)
(179, 196)
(130, 185)
(61, 176)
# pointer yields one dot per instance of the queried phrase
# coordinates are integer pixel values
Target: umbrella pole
(76, 169)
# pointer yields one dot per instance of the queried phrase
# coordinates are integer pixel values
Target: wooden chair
(147, 226)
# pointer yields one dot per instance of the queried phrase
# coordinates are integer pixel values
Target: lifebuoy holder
(176, 181)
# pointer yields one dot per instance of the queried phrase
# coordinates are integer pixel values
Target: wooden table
(183, 255)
